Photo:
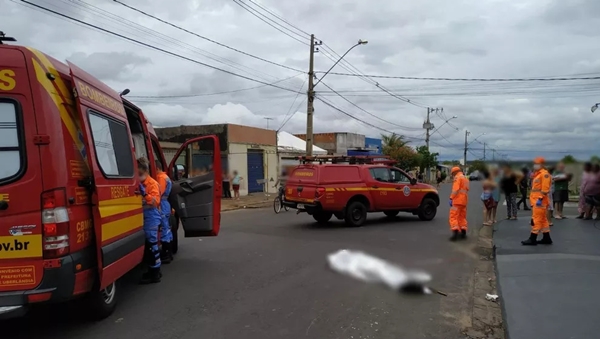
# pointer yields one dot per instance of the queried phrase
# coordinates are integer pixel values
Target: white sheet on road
(368, 268)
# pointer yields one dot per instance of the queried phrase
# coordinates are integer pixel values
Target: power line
(208, 94)
(252, 11)
(465, 79)
(154, 47)
(371, 114)
(101, 13)
(205, 38)
(280, 18)
(292, 115)
(285, 118)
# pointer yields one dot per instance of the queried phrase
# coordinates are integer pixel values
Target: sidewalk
(254, 200)
(549, 291)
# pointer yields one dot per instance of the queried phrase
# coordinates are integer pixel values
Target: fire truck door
(196, 197)
(114, 184)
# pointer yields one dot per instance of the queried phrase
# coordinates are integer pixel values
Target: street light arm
(360, 42)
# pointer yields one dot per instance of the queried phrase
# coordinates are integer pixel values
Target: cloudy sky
(427, 38)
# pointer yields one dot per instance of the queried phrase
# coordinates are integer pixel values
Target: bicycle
(278, 202)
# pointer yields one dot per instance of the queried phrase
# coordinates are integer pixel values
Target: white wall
(238, 160)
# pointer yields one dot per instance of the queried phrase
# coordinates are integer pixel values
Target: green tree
(393, 141)
(405, 156)
(595, 159)
(477, 165)
(569, 159)
(428, 159)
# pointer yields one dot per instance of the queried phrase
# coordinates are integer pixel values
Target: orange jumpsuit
(540, 188)
(460, 199)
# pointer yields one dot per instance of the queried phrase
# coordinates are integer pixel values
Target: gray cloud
(429, 38)
(118, 66)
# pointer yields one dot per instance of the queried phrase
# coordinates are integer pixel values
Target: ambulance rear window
(12, 160)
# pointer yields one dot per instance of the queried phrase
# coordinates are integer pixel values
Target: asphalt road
(265, 276)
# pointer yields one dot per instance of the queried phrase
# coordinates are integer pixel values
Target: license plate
(300, 206)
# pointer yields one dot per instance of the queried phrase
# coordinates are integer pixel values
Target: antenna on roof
(4, 38)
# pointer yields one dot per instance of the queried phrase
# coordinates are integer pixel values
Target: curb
(486, 316)
(250, 205)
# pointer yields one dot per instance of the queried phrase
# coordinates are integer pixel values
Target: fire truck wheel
(427, 210)
(391, 214)
(322, 217)
(102, 304)
(356, 213)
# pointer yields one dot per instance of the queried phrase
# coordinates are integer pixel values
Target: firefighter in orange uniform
(541, 183)
(459, 198)
(152, 221)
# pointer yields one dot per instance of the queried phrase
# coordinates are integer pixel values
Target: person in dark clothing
(523, 187)
(226, 185)
(509, 185)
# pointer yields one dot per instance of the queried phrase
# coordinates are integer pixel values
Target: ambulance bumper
(9, 312)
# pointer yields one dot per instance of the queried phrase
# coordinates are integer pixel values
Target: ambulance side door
(114, 185)
(197, 199)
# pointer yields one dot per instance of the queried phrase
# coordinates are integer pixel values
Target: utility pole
(465, 154)
(428, 126)
(493, 154)
(267, 118)
(311, 98)
(484, 144)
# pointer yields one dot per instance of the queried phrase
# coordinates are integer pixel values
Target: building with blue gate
(250, 151)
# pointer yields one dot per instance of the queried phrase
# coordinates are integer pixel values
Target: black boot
(580, 216)
(546, 240)
(463, 234)
(532, 241)
(454, 236)
(166, 255)
(153, 276)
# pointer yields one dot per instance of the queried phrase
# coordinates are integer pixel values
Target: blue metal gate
(256, 171)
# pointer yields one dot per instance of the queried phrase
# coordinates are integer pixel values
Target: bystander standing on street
(488, 200)
(226, 185)
(523, 188)
(550, 207)
(592, 193)
(495, 176)
(561, 189)
(585, 178)
(509, 185)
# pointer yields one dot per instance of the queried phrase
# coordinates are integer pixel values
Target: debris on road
(491, 297)
(371, 269)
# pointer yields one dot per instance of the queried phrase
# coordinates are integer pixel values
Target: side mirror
(413, 181)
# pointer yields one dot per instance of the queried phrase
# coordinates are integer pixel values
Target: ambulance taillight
(55, 224)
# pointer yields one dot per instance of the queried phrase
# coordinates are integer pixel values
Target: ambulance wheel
(356, 214)
(322, 217)
(427, 210)
(102, 303)
(391, 214)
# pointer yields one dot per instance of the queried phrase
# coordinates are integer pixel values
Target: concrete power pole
(428, 126)
(465, 154)
(310, 99)
(484, 151)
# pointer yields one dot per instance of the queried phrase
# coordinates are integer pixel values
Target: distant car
(475, 176)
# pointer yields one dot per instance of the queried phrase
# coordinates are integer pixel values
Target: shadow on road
(64, 317)
(373, 222)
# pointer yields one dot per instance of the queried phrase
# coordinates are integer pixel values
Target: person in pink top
(585, 178)
(592, 193)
